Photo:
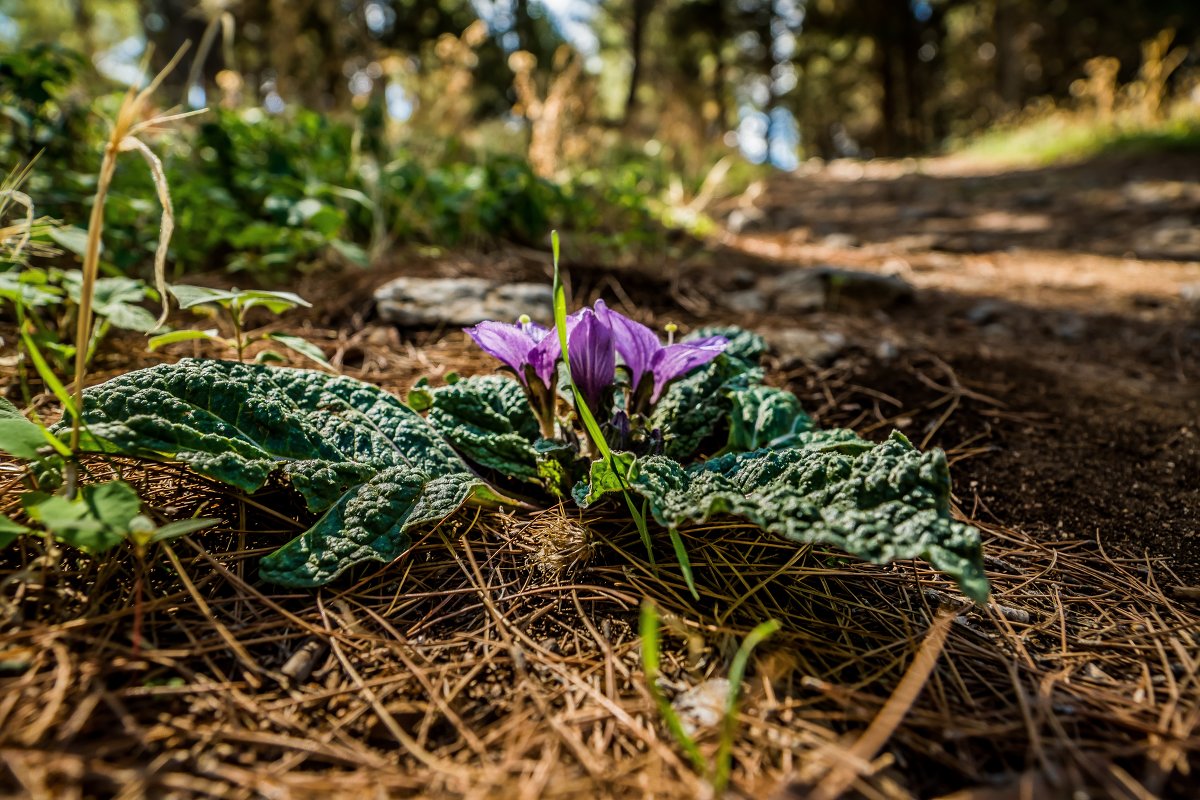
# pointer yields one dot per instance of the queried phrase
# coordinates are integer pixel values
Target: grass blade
(737, 671)
(593, 429)
(649, 633)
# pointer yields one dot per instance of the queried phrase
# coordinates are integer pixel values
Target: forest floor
(1050, 344)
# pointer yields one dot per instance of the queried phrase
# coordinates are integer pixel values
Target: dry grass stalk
(130, 122)
(548, 117)
(507, 683)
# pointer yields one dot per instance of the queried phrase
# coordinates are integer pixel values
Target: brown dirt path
(1066, 297)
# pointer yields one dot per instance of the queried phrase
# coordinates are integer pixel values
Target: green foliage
(237, 304)
(763, 416)
(341, 443)
(694, 409)
(20, 437)
(98, 518)
(882, 503)
(10, 531)
(375, 469)
(488, 421)
(36, 114)
(370, 523)
(47, 301)
(271, 195)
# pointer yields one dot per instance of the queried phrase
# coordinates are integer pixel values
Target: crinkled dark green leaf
(696, 407)
(488, 421)
(342, 443)
(763, 416)
(882, 504)
(238, 423)
(369, 523)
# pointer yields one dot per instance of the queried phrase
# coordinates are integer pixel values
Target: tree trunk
(637, 38)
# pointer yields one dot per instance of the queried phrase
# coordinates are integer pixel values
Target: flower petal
(593, 357)
(636, 344)
(676, 360)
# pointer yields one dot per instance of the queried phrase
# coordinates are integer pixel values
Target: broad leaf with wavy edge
(341, 443)
(881, 503)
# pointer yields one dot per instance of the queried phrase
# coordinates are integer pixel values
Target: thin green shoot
(650, 666)
(737, 671)
(43, 368)
(597, 436)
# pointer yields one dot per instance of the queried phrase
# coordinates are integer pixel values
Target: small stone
(845, 287)
(800, 344)
(460, 301)
(702, 707)
(985, 312)
(1191, 296)
(746, 301)
(1071, 328)
(840, 240)
(796, 291)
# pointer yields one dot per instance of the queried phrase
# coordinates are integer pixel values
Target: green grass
(1062, 136)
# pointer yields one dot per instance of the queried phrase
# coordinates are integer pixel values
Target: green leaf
(301, 346)
(182, 527)
(47, 375)
(70, 238)
(369, 523)
(29, 288)
(606, 476)
(270, 357)
(349, 448)
(557, 465)
(128, 317)
(763, 416)
(10, 531)
(189, 296)
(239, 423)
(275, 302)
(18, 436)
(162, 340)
(96, 520)
(488, 421)
(882, 504)
(696, 408)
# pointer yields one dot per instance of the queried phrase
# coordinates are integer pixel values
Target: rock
(1172, 237)
(840, 240)
(746, 220)
(796, 291)
(804, 290)
(1191, 296)
(460, 301)
(984, 312)
(887, 351)
(702, 707)
(1070, 327)
(746, 301)
(845, 287)
(801, 344)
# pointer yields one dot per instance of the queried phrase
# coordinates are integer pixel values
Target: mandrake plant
(595, 409)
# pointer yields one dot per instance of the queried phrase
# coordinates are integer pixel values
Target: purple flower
(593, 359)
(651, 364)
(520, 346)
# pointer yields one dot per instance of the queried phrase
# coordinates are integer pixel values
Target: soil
(1051, 347)
(1061, 296)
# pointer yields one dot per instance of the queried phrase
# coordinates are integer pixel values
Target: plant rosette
(686, 430)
